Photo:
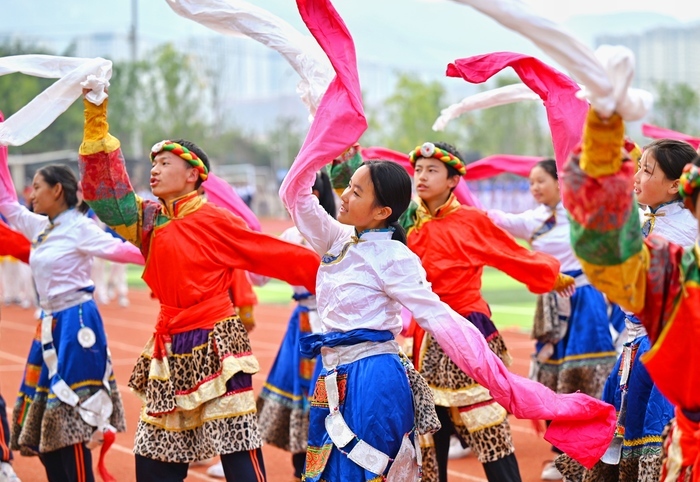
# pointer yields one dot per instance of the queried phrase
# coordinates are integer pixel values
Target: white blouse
(529, 225)
(673, 222)
(61, 259)
(362, 283)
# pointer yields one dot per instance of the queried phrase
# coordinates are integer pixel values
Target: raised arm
(594, 420)
(105, 182)
(598, 192)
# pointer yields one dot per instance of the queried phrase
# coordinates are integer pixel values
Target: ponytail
(399, 233)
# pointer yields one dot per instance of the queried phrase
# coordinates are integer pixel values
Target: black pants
(239, 466)
(69, 464)
(5, 452)
(501, 470)
(299, 462)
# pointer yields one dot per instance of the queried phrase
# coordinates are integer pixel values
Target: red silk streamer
(221, 194)
(655, 132)
(581, 425)
(499, 164)
(565, 113)
(109, 438)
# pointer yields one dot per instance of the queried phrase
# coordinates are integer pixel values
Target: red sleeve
(237, 246)
(243, 294)
(14, 244)
(495, 247)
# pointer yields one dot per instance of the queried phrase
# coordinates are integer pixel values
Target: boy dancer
(195, 374)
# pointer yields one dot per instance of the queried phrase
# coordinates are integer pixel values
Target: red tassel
(109, 437)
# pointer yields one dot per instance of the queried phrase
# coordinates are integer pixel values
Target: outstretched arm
(464, 344)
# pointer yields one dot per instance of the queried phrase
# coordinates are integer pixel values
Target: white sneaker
(123, 301)
(550, 472)
(216, 470)
(7, 473)
(456, 450)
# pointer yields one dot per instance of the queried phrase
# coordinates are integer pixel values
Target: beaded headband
(689, 182)
(183, 153)
(429, 150)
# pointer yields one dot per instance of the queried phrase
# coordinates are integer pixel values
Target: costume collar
(423, 213)
(666, 209)
(182, 206)
(373, 234)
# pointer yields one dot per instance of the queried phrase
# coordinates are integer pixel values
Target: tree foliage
(676, 106)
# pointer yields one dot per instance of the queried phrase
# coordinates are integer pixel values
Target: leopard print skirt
(198, 400)
(631, 469)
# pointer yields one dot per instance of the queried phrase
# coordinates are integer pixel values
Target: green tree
(405, 119)
(676, 106)
(508, 129)
(17, 90)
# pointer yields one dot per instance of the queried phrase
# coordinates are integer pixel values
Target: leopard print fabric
(284, 427)
(588, 379)
(188, 371)
(441, 372)
(60, 425)
(426, 418)
(213, 437)
(646, 468)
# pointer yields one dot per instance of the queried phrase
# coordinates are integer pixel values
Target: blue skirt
(648, 411)
(377, 404)
(285, 399)
(582, 360)
(42, 422)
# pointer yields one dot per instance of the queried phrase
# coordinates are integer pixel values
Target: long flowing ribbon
(605, 74)
(581, 425)
(507, 94)
(656, 132)
(565, 112)
(236, 17)
(499, 164)
(28, 122)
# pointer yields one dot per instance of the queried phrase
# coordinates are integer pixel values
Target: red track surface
(129, 329)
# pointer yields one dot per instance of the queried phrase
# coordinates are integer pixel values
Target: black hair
(200, 153)
(671, 156)
(61, 174)
(392, 188)
(451, 171)
(325, 192)
(549, 166)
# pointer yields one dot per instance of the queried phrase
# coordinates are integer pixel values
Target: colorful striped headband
(183, 153)
(689, 182)
(429, 150)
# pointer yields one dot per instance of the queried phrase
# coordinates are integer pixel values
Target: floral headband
(429, 150)
(183, 153)
(689, 182)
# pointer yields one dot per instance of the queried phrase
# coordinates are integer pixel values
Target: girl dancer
(68, 392)
(575, 350)
(646, 277)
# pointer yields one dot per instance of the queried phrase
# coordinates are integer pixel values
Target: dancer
(16, 245)
(575, 350)
(363, 395)
(68, 395)
(652, 280)
(194, 376)
(454, 243)
(284, 402)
